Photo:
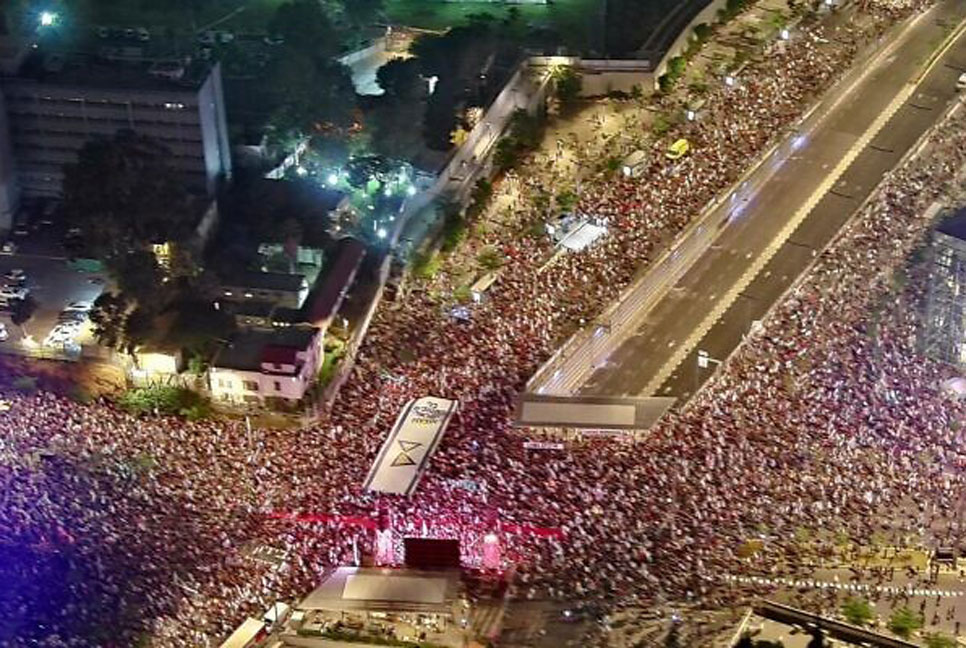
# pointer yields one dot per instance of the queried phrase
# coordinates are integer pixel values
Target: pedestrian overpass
(589, 412)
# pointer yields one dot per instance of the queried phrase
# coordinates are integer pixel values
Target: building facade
(55, 105)
(263, 365)
(944, 327)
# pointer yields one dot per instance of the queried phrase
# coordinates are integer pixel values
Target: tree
(138, 329)
(938, 640)
(360, 12)
(400, 79)
(305, 28)
(904, 622)
(108, 316)
(139, 277)
(395, 128)
(440, 117)
(123, 194)
(329, 150)
(507, 153)
(857, 611)
(23, 310)
(311, 95)
(568, 84)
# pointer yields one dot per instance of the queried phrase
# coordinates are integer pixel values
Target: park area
(576, 24)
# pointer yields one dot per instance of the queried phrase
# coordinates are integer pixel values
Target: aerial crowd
(114, 528)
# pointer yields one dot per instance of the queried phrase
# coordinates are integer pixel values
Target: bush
(569, 84)
(507, 153)
(566, 200)
(904, 622)
(661, 125)
(454, 230)
(490, 258)
(426, 264)
(676, 68)
(480, 198)
(463, 293)
(857, 611)
(938, 640)
(167, 400)
(702, 32)
(665, 83)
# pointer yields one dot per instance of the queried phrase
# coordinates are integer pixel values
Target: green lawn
(578, 22)
(239, 15)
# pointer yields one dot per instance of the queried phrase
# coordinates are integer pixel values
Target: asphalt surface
(797, 170)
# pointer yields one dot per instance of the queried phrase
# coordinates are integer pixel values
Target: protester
(115, 526)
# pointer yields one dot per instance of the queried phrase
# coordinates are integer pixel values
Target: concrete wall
(602, 76)
(707, 15)
(378, 46)
(214, 130)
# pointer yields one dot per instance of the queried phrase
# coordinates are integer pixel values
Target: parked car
(3, 332)
(8, 293)
(16, 274)
(77, 307)
(8, 248)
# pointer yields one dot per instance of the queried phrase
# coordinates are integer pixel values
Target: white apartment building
(261, 365)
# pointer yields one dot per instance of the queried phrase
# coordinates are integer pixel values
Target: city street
(821, 175)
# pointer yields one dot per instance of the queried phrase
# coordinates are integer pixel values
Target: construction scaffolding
(944, 327)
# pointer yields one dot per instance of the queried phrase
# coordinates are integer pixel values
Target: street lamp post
(704, 359)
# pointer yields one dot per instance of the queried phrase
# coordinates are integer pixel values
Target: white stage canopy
(244, 634)
(582, 236)
(403, 457)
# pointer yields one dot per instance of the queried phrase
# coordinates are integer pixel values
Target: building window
(251, 385)
(278, 386)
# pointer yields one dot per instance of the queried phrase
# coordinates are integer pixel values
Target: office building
(56, 103)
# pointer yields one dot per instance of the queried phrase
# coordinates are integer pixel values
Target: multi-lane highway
(789, 209)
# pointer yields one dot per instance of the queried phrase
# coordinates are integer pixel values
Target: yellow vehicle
(679, 149)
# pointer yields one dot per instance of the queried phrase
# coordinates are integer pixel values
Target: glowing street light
(381, 232)
(302, 171)
(47, 18)
(333, 179)
(411, 190)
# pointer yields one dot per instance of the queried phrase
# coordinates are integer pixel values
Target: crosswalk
(908, 590)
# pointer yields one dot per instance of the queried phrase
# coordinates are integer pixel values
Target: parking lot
(52, 285)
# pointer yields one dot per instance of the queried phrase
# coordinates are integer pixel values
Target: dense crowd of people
(116, 528)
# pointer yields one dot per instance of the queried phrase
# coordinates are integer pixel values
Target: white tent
(582, 236)
(412, 441)
(245, 634)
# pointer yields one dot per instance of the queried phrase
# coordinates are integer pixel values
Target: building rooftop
(335, 279)
(247, 350)
(280, 281)
(400, 590)
(954, 225)
(86, 70)
(251, 308)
